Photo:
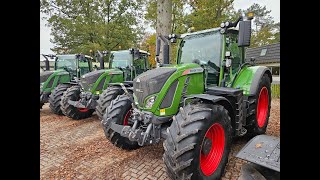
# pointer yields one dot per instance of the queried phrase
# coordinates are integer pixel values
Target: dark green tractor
(66, 69)
(79, 102)
(198, 105)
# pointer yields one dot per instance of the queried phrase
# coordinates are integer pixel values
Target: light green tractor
(196, 106)
(67, 69)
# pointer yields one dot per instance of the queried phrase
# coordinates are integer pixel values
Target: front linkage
(87, 101)
(143, 130)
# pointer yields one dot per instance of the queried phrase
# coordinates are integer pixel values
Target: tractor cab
(132, 62)
(75, 64)
(214, 50)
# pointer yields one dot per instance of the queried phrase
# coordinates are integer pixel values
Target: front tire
(73, 93)
(105, 99)
(198, 142)
(119, 112)
(55, 98)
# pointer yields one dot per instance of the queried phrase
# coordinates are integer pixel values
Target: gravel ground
(72, 149)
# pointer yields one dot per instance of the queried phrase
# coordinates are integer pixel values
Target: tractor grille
(150, 82)
(90, 78)
(45, 75)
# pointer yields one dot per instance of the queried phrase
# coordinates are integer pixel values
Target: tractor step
(262, 150)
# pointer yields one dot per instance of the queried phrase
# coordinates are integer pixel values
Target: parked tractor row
(198, 105)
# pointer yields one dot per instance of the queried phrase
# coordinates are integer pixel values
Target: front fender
(215, 100)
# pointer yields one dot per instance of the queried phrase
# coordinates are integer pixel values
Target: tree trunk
(164, 20)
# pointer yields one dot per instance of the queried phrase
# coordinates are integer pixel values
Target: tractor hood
(156, 83)
(151, 82)
(90, 78)
(45, 75)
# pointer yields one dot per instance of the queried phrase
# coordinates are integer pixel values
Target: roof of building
(264, 54)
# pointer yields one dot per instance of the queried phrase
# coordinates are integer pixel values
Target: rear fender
(249, 77)
(257, 76)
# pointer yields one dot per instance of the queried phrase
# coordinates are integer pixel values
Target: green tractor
(79, 102)
(66, 69)
(198, 105)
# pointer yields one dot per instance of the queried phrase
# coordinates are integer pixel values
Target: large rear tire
(119, 112)
(55, 98)
(260, 108)
(73, 93)
(105, 99)
(198, 142)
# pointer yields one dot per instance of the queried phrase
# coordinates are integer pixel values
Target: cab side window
(232, 46)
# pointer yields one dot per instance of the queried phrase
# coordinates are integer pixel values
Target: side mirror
(166, 56)
(244, 33)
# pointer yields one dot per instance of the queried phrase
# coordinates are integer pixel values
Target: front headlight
(150, 101)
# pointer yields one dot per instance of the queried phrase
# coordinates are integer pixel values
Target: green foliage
(201, 14)
(207, 14)
(275, 90)
(149, 44)
(81, 25)
(265, 30)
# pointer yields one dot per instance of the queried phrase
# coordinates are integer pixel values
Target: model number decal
(192, 71)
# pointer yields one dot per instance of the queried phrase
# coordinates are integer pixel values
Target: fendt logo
(192, 71)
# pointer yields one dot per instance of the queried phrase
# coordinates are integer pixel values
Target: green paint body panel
(59, 76)
(196, 86)
(117, 77)
(244, 79)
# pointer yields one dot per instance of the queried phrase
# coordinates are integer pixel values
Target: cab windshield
(204, 48)
(69, 63)
(66, 62)
(121, 59)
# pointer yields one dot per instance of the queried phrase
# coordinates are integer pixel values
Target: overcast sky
(273, 5)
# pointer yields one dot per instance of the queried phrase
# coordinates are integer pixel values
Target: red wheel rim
(262, 108)
(210, 162)
(126, 118)
(83, 109)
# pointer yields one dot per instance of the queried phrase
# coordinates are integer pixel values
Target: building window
(263, 52)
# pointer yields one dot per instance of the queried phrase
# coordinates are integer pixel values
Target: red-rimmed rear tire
(119, 111)
(198, 142)
(260, 108)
